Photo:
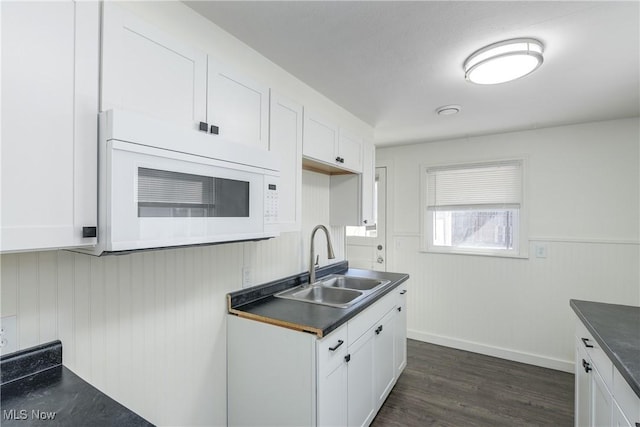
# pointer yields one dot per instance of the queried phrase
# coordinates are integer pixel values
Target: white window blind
(496, 184)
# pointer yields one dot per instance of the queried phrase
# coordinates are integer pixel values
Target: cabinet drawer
(598, 357)
(627, 399)
(332, 348)
(365, 320)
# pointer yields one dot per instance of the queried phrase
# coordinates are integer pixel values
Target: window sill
(475, 253)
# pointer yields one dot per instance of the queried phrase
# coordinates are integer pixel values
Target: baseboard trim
(488, 350)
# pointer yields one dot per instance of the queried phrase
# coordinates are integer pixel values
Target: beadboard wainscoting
(148, 328)
(516, 309)
(582, 188)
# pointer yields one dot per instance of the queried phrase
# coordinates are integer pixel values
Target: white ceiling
(393, 63)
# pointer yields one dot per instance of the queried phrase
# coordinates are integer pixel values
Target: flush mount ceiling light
(503, 61)
(448, 110)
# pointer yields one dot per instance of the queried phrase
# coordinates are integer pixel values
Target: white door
(367, 246)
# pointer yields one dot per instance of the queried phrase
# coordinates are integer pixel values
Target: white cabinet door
(332, 395)
(400, 343)
(238, 106)
(368, 182)
(350, 151)
(619, 420)
(353, 195)
(146, 70)
(384, 368)
(49, 126)
(332, 378)
(582, 386)
(286, 140)
(320, 138)
(361, 382)
(601, 403)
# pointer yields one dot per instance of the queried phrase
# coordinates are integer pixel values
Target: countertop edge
(635, 386)
(23, 363)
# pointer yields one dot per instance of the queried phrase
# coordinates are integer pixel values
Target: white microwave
(161, 185)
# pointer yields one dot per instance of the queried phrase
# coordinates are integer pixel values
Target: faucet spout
(330, 253)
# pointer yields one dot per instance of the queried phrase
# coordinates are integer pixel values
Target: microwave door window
(175, 194)
(231, 198)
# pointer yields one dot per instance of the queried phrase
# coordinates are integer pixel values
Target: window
(475, 209)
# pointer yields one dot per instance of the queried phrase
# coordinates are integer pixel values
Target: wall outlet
(8, 334)
(541, 250)
(246, 277)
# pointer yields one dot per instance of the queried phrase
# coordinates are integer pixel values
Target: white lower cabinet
(361, 383)
(602, 396)
(384, 368)
(601, 404)
(400, 344)
(619, 420)
(342, 381)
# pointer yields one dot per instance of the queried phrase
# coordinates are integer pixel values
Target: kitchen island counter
(616, 328)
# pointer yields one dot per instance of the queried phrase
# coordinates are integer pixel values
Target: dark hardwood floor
(442, 386)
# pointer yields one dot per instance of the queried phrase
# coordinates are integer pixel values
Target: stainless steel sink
(335, 290)
(352, 282)
(318, 294)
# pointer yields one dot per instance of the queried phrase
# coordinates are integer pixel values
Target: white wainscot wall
(149, 328)
(513, 308)
(582, 194)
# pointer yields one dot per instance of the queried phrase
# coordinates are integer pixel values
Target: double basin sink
(335, 290)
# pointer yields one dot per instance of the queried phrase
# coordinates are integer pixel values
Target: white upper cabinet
(353, 196)
(148, 71)
(237, 106)
(286, 140)
(330, 147)
(350, 151)
(144, 69)
(320, 139)
(50, 69)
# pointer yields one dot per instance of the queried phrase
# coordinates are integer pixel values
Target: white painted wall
(149, 329)
(583, 187)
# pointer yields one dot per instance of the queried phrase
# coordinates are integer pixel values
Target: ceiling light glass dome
(503, 61)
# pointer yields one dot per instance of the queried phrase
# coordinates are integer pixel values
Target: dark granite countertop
(38, 390)
(617, 329)
(260, 304)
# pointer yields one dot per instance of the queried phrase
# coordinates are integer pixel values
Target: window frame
(521, 244)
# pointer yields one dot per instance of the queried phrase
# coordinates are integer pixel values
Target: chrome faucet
(330, 254)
